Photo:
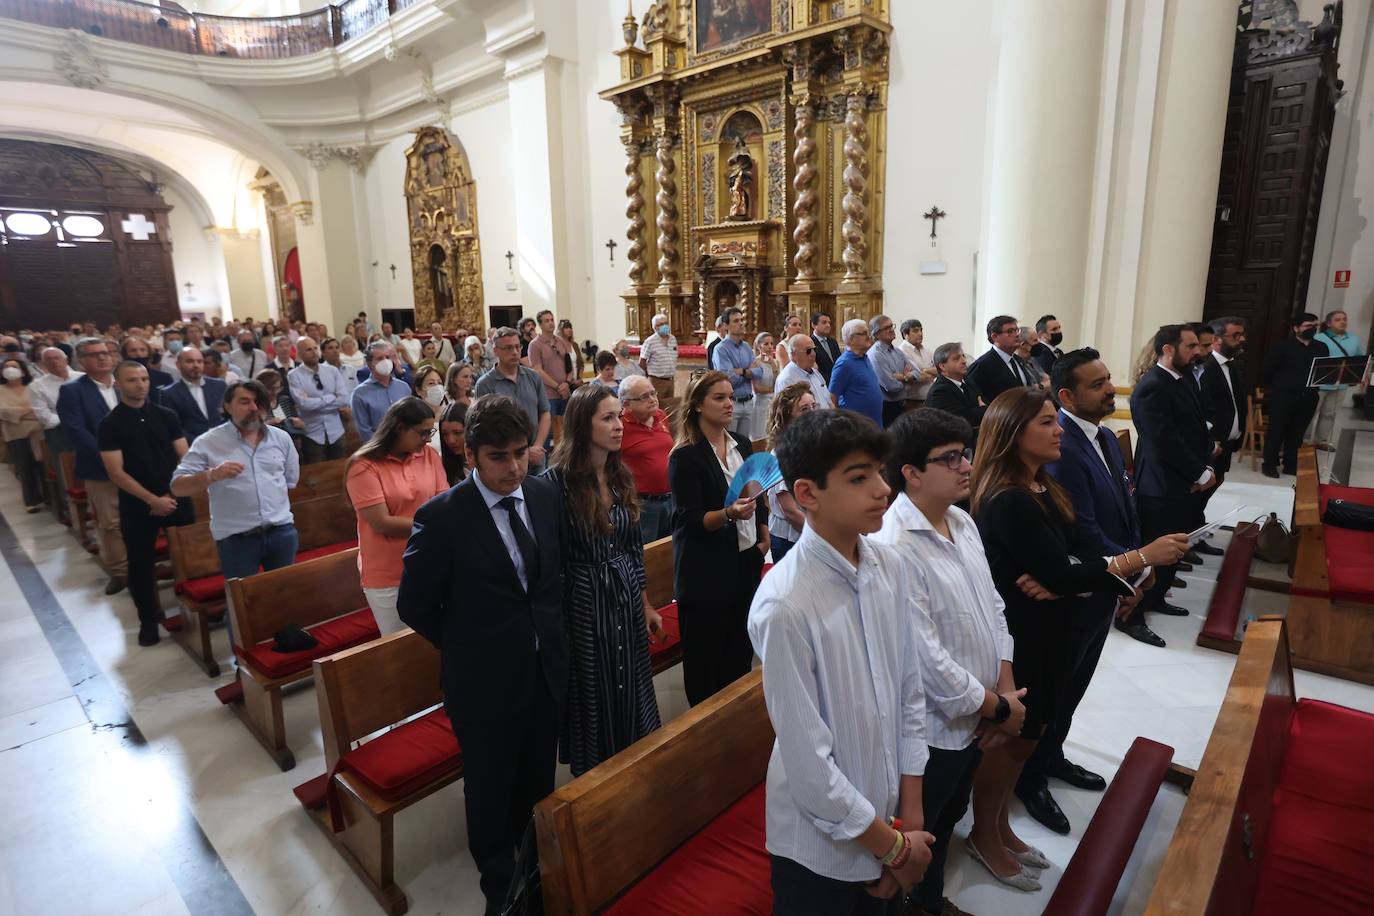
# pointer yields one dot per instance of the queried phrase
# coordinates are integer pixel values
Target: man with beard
(1173, 462)
(1223, 398)
(1046, 350)
(1287, 399)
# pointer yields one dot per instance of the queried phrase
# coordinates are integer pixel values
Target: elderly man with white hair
(43, 395)
(801, 367)
(658, 357)
(853, 382)
(890, 367)
(646, 441)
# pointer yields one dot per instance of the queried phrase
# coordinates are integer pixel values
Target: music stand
(1338, 370)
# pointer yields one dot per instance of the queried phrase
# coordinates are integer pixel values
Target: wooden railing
(265, 38)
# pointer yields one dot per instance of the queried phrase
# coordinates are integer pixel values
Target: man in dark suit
(1172, 464)
(1287, 399)
(137, 350)
(827, 348)
(1046, 349)
(482, 582)
(998, 370)
(1223, 398)
(197, 401)
(952, 390)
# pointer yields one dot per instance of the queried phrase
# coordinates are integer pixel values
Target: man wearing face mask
(658, 357)
(379, 390)
(321, 398)
(1051, 334)
(136, 349)
(248, 360)
(1287, 399)
(172, 345)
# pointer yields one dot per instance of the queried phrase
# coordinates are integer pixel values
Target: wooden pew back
(304, 594)
(1212, 865)
(712, 755)
(323, 479)
(1123, 439)
(364, 689)
(658, 571)
(193, 550)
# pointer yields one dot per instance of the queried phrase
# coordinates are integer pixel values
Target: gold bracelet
(1143, 563)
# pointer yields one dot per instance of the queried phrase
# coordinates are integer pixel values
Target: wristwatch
(1003, 711)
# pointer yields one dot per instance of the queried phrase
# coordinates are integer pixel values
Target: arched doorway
(445, 255)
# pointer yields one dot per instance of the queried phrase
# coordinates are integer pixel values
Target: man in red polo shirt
(644, 449)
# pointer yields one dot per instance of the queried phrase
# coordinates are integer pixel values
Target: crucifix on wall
(611, 246)
(934, 214)
(189, 286)
(393, 271)
(510, 261)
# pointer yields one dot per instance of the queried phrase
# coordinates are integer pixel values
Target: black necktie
(528, 551)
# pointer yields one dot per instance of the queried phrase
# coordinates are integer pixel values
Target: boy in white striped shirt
(966, 648)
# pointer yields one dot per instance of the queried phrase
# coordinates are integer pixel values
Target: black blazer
(698, 486)
(1045, 355)
(993, 376)
(459, 590)
(177, 398)
(1175, 447)
(947, 396)
(1219, 405)
(827, 351)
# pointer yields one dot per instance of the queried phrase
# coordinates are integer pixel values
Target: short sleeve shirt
(144, 435)
(552, 357)
(403, 486)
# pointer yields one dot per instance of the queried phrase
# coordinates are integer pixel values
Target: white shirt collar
(1006, 357)
(1171, 372)
(913, 519)
(1217, 355)
(491, 497)
(1089, 429)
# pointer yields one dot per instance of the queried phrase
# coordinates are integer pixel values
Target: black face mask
(246, 346)
(141, 360)
(11, 348)
(1056, 339)
(1308, 334)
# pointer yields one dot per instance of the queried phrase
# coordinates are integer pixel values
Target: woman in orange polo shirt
(387, 480)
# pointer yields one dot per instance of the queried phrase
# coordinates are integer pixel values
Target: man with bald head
(801, 367)
(197, 399)
(647, 440)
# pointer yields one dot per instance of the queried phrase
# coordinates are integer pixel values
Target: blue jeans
(778, 547)
(240, 555)
(655, 517)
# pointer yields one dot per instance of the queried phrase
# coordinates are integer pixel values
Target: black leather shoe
(1040, 804)
(1192, 557)
(1270, 471)
(148, 635)
(1141, 633)
(116, 585)
(1170, 610)
(1178, 583)
(1183, 566)
(1208, 550)
(1077, 777)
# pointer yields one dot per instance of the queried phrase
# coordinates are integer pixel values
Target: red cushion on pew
(1316, 854)
(723, 870)
(407, 758)
(672, 628)
(333, 635)
(209, 589)
(1349, 553)
(311, 794)
(76, 492)
(1223, 612)
(326, 550)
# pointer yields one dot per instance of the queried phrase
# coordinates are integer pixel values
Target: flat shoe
(1020, 880)
(1031, 858)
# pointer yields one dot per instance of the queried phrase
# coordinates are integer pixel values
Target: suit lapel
(487, 533)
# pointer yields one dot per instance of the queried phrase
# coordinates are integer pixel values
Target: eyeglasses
(643, 397)
(952, 459)
(808, 351)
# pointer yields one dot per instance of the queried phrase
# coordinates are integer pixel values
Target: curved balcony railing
(174, 29)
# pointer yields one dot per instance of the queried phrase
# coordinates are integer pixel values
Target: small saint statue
(741, 179)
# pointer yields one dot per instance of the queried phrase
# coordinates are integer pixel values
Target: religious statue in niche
(724, 22)
(727, 296)
(441, 283)
(741, 180)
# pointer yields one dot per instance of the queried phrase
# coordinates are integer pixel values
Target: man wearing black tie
(827, 349)
(482, 582)
(1172, 464)
(998, 370)
(1223, 396)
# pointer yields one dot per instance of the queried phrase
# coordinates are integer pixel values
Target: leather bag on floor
(1273, 545)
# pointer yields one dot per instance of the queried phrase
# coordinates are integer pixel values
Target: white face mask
(382, 367)
(13, 373)
(434, 394)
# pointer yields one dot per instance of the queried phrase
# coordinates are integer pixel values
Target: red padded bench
(1223, 611)
(1349, 553)
(361, 691)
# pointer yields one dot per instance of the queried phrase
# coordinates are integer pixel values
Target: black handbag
(1344, 514)
(524, 898)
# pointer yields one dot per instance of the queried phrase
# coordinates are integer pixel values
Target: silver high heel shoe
(1032, 858)
(1022, 880)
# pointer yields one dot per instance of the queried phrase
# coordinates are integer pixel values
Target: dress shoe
(1040, 804)
(148, 635)
(1178, 583)
(1270, 471)
(1290, 472)
(1021, 879)
(1169, 610)
(1208, 550)
(1141, 633)
(1192, 557)
(1077, 777)
(1032, 858)
(116, 585)
(1183, 566)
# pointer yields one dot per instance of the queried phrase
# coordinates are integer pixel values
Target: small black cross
(393, 271)
(611, 246)
(933, 214)
(510, 261)
(189, 286)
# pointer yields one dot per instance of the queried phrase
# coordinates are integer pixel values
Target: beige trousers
(104, 497)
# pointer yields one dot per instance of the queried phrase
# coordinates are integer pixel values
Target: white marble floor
(95, 823)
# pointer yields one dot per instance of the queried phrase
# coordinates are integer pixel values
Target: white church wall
(197, 258)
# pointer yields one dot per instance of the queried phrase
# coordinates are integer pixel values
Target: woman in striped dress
(611, 702)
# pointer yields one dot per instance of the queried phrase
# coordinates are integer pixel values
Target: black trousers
(1092, 622)
(28, 469)
(891, 411)
(1289, 414)
(716, 650)
(1159, 517)
(945, 791)
(508, 768)
(798, 891)
(139, 530)
(313, 453)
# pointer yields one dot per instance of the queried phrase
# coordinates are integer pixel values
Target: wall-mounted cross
(189, 286)
(393, 271)
(510, 261)
(933, 214)
(611, 246)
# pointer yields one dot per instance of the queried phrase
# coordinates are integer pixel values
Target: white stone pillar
(332, 250)
(1043, 139)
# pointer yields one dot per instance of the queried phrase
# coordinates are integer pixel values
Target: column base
(640, 307)
(806, 297)
(857, 299)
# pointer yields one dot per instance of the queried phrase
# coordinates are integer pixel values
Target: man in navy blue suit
(198, 401)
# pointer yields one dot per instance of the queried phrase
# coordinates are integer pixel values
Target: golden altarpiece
(755, 136)
(445, 253)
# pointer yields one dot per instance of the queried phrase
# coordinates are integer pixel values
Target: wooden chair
(361, 691)
(1256, 428)
(322, 596)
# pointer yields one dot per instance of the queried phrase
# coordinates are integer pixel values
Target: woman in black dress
(1027, 524)
(718, 549)
(611, 702)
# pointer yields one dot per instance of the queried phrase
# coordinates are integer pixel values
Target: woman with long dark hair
(452, 443)
(1027, 525)
(387, 480)
(611, 701)
(718, 547)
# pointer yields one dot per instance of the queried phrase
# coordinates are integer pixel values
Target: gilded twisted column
(667, 212)
(804, 184)
(855, 211)
(634, 211)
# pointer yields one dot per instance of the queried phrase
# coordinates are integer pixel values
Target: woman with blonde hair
(763, 385)
(791, 327)
(718, 547)
(785, 517)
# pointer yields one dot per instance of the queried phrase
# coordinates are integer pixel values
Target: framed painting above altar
(721, 23)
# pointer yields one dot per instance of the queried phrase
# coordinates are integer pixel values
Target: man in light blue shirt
(1340, 342)
(890, 366)
(375, 395)
(247, 467)
(737, 359)
(321, 399)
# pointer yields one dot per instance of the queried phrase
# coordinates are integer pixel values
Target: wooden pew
(317, 480)
(1123, 439)
(658, 588)
(321, 522)
(361, 691)
(322, 596)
